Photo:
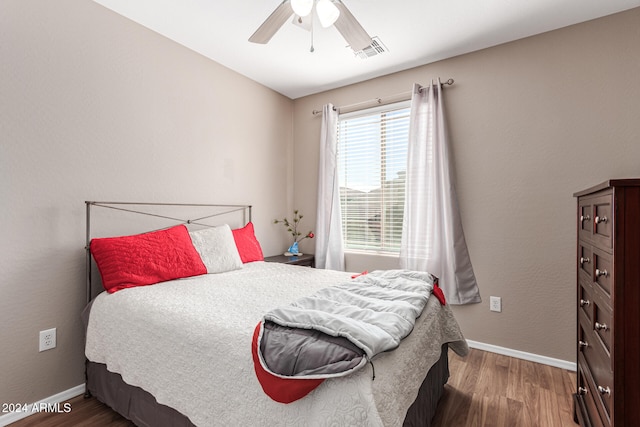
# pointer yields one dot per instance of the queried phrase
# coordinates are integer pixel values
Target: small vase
(293, 249)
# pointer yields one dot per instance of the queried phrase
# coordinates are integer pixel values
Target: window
(372, 164)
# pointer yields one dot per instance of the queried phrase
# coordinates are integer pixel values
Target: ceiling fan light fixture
(327, 12)
(302, 7)
(302, 22)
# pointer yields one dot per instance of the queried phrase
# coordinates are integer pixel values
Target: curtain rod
(404, 96)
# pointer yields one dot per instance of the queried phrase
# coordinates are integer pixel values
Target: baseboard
(558, 363)
(44, 405)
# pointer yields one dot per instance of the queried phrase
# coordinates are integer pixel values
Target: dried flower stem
(292, 226)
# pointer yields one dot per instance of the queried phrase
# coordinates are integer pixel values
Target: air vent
(375, 48)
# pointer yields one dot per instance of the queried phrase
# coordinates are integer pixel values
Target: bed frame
(138, 405)
(205, 214)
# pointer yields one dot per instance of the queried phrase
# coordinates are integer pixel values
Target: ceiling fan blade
(351, 29)
(273, 23)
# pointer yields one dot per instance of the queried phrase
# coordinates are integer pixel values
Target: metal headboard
(213, 211)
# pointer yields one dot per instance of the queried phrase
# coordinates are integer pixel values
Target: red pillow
(247, 244)
(145, 259)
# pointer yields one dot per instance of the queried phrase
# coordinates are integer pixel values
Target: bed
(178, 352)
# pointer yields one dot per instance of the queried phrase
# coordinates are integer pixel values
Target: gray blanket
(338, 329)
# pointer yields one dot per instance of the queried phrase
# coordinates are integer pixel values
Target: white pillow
(217, 249)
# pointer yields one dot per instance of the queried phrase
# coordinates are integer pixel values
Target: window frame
(380, 109)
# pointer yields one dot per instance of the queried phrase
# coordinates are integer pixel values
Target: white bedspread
(188, 342)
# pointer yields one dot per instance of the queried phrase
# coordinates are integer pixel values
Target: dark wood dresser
(608, 275)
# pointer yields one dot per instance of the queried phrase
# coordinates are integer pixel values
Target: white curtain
(329, 247)
(432, 235)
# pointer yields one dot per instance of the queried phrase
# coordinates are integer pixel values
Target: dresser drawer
(585, 219)
(585, 302)
(602, 211)
(586, 396)
(598, 372)
(603, 271)
(585, 261)
(602, 325)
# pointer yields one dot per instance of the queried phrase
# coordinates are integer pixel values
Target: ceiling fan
(329, 12)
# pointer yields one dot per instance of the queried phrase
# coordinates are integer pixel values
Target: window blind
(372, 164)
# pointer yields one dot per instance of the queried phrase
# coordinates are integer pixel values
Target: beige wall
(96, 107)
(531, 122)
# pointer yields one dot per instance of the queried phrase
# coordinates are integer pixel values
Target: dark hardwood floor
(488, 389)
(485, 389)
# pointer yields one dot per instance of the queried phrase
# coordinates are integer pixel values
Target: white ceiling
(415, 32)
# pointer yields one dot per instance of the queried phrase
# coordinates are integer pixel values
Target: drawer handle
(582, 391)
(604, 390)
(584, 302)
(584, 260)
(583, 344)
(601, 326)
(601, 219)
(585, 217)
(599, 273)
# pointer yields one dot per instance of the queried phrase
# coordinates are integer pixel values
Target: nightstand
(306, 260)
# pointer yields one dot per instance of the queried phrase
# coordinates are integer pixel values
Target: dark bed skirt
(142, 409)
(423, 409)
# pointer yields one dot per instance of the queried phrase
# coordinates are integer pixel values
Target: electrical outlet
(47, 339)
(495, 304)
